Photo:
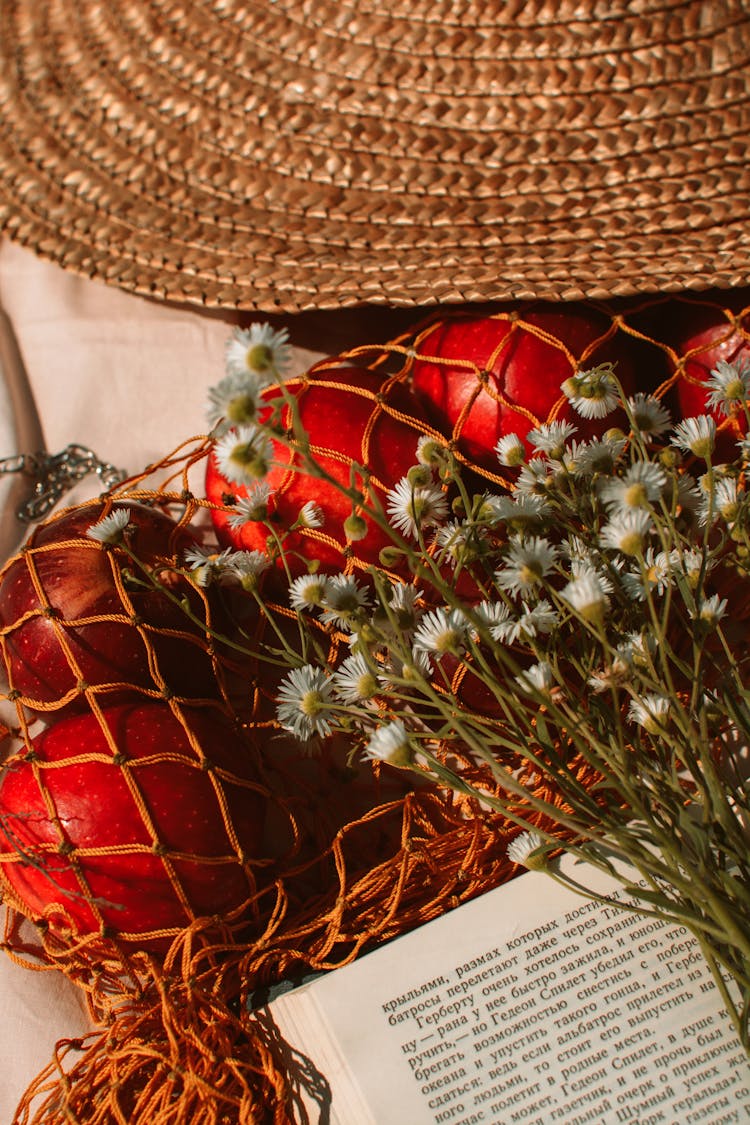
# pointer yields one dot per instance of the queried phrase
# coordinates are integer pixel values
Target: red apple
(348, 421)
(132, 826)
(482, 377)
(68, 617)
(702, 335)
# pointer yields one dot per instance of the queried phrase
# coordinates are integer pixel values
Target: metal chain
(54, 474)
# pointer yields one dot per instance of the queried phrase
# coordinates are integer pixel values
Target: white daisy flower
(599, 455)
(571, 455)
(527, 851)
(415, 670)
(535, 478)
(497, 618)
(519, 511)
(658, 568)
(650, 712)
(430, 451)
(412, 507)
(308, 592)
(526, 564)
(207, 565)
(390, 743)
(550, 438)
(403, 598)
(110, 529)
(355, 681)
(263, 351)
(534, 621)
(729, 386)
(575, 548)
(655, 576)
(539, 678)
(586, 596)
(637, 648)
(235, 400)
(510, 451)
(695, 435)
(640, 486)
(342, 601)
(310, 515)
(247, 567)
(690, 562)
(626, 531)
(403, 603)
(721, 503)
(459, 542)
(303, 703)
(593, 393)
(711, 610)
(440, 631)
(648, 415)
(581, 566)
(243, 455)
(253, 507)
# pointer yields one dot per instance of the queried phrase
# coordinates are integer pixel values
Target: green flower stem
(738, 1017)
(151, 582)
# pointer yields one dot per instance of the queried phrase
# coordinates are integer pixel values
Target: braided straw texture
(286, 156)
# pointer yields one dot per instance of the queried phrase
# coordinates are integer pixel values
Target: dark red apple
(133, 825)
(482, 377)
(348, 422)
(69, 616)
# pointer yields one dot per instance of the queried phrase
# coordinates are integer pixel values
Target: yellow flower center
(631, 543)
(259, 358)
(249, 460)
(367, 686)
(448, 641)
(241, 409)
(734, 391)
(529, 573)
(636, 496)
(311, 704)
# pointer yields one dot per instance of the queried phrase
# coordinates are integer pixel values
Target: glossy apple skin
(345, 424)
(54, 599)
(524, 373)
(67, 807)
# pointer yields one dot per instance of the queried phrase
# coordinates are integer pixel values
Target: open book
(529, 1005)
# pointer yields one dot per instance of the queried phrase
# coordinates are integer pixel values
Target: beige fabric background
(127, 377)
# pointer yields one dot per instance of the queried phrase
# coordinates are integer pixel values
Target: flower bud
(355, 527)
(390, 557)
(419, 476)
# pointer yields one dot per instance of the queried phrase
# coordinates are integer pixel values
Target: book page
(529, 1005)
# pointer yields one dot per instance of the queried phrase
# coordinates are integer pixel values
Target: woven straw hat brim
(323, 153)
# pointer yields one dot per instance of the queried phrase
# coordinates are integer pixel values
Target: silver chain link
(54, 474)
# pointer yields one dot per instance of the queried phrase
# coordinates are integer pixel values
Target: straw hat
(290, 154)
